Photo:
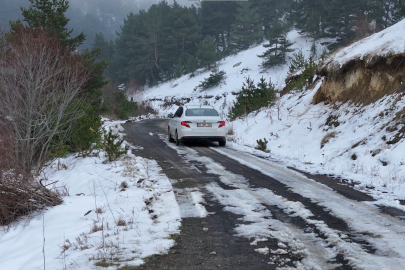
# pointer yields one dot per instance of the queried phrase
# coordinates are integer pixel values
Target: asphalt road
(212, 242)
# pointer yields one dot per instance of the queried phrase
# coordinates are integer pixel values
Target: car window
(201, 112)
(179, 112)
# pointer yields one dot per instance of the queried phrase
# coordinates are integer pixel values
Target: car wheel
(222, 143)
(169, 135)
(177, 139)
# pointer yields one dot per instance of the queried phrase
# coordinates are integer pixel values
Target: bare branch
(40, 81)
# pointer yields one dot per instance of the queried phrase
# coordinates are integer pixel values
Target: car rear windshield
(201, 112)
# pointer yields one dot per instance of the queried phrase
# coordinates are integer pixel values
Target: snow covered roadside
(343, 140)
(113, 214)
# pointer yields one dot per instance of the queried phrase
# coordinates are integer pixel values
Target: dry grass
(327, 138)
(96, 227)
(20, 193)
(121, 222)
(230, 131)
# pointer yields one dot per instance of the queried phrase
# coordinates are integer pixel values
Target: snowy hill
(238, 67)
(348, 140)
(388, 42)
(133, 204)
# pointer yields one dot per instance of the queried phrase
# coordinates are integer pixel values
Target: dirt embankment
(362, 81)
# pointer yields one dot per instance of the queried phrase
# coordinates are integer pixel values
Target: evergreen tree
(246, 29)
(310, 16)
(146, 47)
(121, 62)
(252, 97)
(297, 61)
(157, 44)
(216, 18)
(385, 13)
(106, 48)
(183, 33)
(343, 16)
(272, 10)
(50, 14)
(207, 53)
(278, 46)
(137, 49)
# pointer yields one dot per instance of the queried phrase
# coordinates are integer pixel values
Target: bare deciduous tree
(39, 81)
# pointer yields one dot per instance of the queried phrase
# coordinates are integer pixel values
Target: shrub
(332, 120)
(305, 78)
(215, 78)
(112, 145)
(42, 105)
(116, 102)
(86, 132)
(297, 62)
(262, 145)
(252, 97)
(125, 107)
(327, 138)
(20, 193)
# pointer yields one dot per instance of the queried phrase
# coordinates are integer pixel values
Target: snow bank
(120, 212)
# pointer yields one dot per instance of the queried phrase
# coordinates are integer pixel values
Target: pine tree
(246, 29)
(385, 13)
(182, 34)
(278, 46)
(272, 10)
(297, 61)
(137, 48)
(252, 97)
(310, 17)
(216, 18)
(147, 46)
(121, 61)
(207, 53)
(106, 48)
(343, 16)
(50, 14)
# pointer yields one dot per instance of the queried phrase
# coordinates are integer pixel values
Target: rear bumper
(203, 138)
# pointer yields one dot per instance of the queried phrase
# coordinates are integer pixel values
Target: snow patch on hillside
(346, 141)
(237, 67)
(389, 41)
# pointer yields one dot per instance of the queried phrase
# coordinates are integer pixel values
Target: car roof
(199, 106)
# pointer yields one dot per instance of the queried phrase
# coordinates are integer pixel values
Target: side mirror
(170, 115)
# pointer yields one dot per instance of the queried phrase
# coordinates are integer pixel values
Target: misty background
(90, 16)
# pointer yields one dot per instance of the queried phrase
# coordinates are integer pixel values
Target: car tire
(177, 139)
(169, 135)
(222, 143)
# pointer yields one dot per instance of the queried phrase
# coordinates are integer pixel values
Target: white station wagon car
(193, 122)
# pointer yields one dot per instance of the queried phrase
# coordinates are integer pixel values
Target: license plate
(204, 125)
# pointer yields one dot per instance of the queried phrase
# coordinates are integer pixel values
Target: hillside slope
(315, 131)
(367, 70)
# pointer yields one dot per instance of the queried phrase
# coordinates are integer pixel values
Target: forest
(169, 40)
(149, 44)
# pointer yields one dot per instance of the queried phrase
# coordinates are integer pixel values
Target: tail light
(185, 123)
(221, 123)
